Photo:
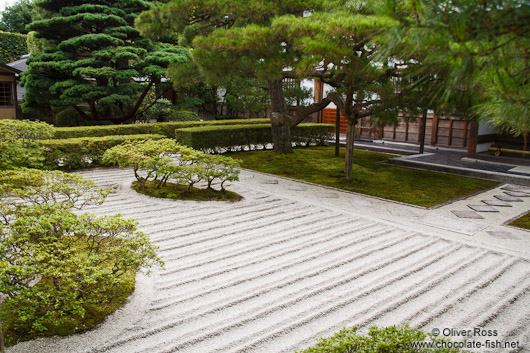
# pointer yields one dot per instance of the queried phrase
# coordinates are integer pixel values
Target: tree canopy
(16, 17)
(95, 60)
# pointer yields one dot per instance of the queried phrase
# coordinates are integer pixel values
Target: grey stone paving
(512, 196)
(245, 176)
(516, 188)
(362, 203)
(330, 195)
(498, 203)
(483, 208)
(467, 214)
(455, 225)
(400, 212)
(297, 187)
(268, 181)
(517, 193)
(503, 235)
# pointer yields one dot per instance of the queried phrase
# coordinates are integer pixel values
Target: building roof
(20, 64)
(10, 69)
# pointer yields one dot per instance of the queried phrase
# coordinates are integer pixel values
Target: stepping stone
(508, 198)
(401, 212)
(362, 203)
(449, 223)
(330, 196)
(467, 214)
(483, 208)
(517, 188)
(297, 188)
(498, 203)
(268, 181)
(246, 176)
(503, 235)
(514, 195)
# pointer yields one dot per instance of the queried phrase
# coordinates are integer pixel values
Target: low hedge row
(218, 139)
(166, 129)
(84, 152)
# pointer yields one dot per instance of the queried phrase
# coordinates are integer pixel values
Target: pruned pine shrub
(84, 152)
(164, 160)
(218, 139)
(394, 339)
(167, 129)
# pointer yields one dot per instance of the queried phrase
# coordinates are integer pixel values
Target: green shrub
(237, 137)
(163, 160)
(18, 143)
(84, 152)
(182, 115)
(56, 264)
(166, 129)
(34, 44)
(378, 340)
(12, 46)
(68, 117)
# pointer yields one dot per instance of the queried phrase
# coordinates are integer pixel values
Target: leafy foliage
(93, 54)
(218, 139)
(165, 159)
(54, 263)
(12, 46)
(15, 17)
(83, 152)
(40, 187)
(42, 274)
(377, 340)
(18, 143)
(476, 50)
(166, 129)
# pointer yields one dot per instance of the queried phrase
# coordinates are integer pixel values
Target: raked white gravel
(293, 262)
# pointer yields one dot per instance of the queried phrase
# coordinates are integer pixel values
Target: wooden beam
(434, 129)
(473, 138)
(465, 134)
(450, 132)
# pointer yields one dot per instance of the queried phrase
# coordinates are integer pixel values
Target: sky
(6, 3)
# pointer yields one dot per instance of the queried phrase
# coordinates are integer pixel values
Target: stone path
(294, 261)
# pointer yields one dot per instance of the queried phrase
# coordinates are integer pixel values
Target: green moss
(94, 315)
(522, 222)
(371, 175)
(181, 192)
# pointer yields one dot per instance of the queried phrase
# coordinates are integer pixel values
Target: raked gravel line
(274, 272)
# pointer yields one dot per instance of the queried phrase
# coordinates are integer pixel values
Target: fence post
(337, 132)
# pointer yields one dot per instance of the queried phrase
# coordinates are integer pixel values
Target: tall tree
(340, 48)
(238, 39)
(16, 17)
(478, 52)
(95, 60)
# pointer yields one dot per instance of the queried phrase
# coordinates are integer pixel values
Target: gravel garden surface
(294, 261)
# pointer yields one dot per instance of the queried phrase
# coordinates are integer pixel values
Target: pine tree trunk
(348, 158)
(281, 133)
(280, 121)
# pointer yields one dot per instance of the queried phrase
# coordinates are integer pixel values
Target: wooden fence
(440, 131)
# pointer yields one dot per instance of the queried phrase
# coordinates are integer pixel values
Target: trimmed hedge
(166, 129)
(12, 46)
(84, 152)
(234, 138)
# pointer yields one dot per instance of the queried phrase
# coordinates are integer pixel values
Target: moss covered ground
(372, 176)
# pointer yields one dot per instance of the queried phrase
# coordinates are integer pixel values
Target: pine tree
(94, 60)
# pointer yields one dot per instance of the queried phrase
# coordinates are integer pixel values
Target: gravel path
(293, 262)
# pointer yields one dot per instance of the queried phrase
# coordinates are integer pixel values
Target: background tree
(240, 40)
(478, 52)
(95, 61)
(340, 47)
(16, 17)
